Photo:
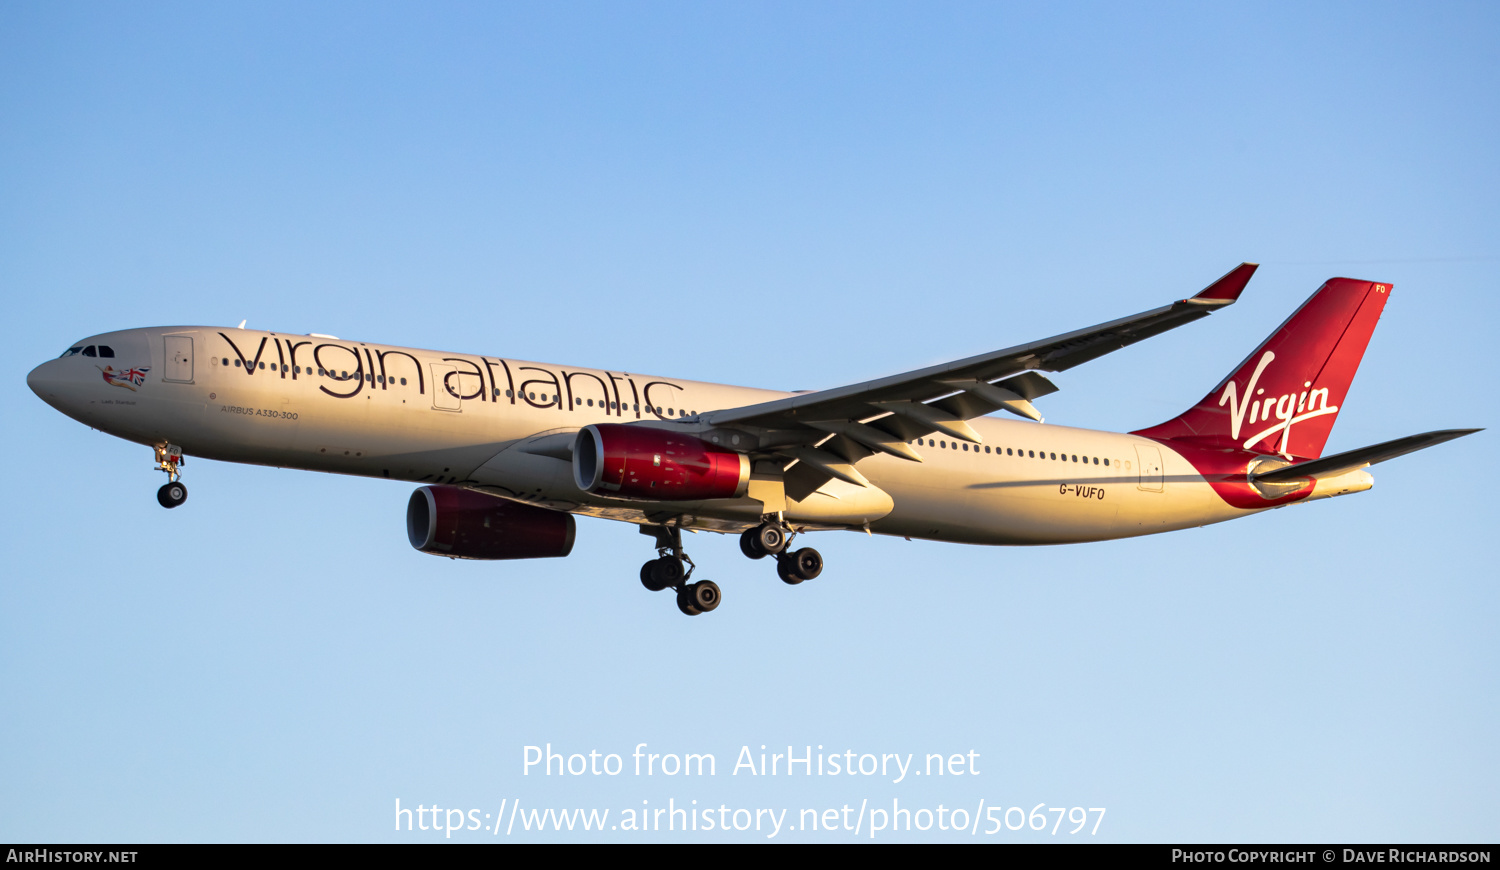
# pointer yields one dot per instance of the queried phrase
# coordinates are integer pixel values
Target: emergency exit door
(177, 365)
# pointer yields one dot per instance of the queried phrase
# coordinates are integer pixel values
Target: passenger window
(1106, 462)
(89, 351)
(1007, 451)
(106, 351)
(1075, 457)
(236, 363)
(1054, 456)
(966, 448)
(403, 382)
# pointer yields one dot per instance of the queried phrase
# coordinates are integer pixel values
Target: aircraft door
(1150, 464)
(446, 387)
(177, 362)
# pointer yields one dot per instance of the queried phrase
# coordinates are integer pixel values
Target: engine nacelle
(638, 462)
(463, 524)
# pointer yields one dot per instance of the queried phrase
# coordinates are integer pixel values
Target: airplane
(508, 451)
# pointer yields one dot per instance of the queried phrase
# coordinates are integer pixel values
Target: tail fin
(1286, 395)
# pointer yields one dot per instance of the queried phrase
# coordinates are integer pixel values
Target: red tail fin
(1285, 396)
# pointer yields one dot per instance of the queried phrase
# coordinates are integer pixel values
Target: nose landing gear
(672, 568)
(169, 458)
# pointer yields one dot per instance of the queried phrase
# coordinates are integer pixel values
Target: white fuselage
(484, 422)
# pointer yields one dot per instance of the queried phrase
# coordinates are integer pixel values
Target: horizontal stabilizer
(1339, 463)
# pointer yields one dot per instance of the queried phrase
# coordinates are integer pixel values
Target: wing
(823, 435)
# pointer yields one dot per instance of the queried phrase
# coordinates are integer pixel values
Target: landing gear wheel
(700, 597)
(770, 539)
(749, 547)
(171, 495)
(808, 563)
(805, 564)
(666, 571)
(706, 595)
(648, 579)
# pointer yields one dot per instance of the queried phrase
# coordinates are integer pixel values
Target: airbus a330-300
(508, 451)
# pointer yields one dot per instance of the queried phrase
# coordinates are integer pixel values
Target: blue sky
(792, 196)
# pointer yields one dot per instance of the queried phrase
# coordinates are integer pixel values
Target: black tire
(666, 571)
(647, 577)
(770, 538)
(807, 563)
(749, 547)
(786, 570)
(171, 495)
(685, 602)
(705, 595)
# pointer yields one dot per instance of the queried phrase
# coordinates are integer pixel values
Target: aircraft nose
(45, 380)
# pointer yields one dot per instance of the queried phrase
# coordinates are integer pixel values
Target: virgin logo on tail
(1288, 408)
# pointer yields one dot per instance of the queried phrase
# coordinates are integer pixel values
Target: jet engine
(463, 524)
(639, 462)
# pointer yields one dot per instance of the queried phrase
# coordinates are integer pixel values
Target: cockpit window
(89, 351)
(72, 351)
(106, 351)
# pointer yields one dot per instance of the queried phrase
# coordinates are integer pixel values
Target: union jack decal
(128, 378)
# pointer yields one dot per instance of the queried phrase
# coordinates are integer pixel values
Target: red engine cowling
(463, 524)
(656, 464)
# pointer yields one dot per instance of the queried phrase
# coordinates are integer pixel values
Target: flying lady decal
(128, 378)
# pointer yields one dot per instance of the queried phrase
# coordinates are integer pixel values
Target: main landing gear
(773, 538)
(169, 459)
(672, 568)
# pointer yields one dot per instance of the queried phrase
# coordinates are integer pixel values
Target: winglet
(1228, 288)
